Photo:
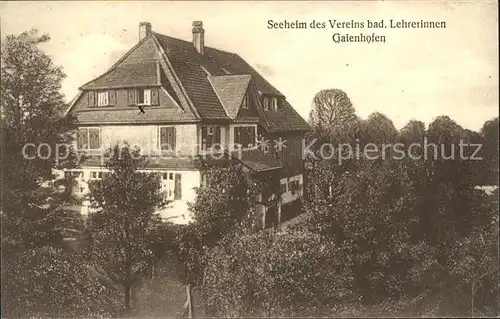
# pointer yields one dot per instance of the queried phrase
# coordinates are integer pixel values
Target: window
(283, 187)
(167, 138)
(245, 136)
(266, 103)
(88, 138)
(265, 149)
(211, 136)
(171, 185)
(246, 101)
(102, 98)
(96, 175)
(144, 97)
(274, 105)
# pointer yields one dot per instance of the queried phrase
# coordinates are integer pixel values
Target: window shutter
(94, 138)
(171, 137)
(92, 98)
(237, 135)
(112, 97)
(155, 99)
(249, 136)
(81, 139)
(204, 137)
(163, 138)
(217, 136)
(131, 97)
(178, 187)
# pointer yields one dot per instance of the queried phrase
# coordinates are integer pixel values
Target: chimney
(198, 36)
(144, 30)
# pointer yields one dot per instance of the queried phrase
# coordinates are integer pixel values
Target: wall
(288, 197)
(165, 101)
(291, 156)
(146, 137)
(177, 211)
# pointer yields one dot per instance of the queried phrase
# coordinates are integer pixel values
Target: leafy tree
(333, 116)
(50, 282)
(375, 218)
(226, 202)
(378, 129)
(412, 132)
(122, 226)
(31, 120)
(276, 273)
(489, 132)
(228, 198)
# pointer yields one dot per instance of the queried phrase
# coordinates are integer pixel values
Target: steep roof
(231, 89)
(192, 68)
(127, 75)
(211, 84)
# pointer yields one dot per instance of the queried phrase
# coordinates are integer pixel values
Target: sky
(416, 74)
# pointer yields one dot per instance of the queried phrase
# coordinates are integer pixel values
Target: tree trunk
(127, 287)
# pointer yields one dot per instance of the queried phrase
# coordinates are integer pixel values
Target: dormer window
(144, 97)
(103, 98)
(274, 104)
(266, 103)
(271, 103)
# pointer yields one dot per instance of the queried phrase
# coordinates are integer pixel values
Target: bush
(49, 282)
(283, 273)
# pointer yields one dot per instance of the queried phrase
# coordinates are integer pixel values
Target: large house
(185, 105)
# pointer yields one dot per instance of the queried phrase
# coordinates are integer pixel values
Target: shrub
(49, 282)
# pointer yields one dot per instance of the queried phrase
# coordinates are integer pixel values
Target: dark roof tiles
(127, 75)
(231, 89)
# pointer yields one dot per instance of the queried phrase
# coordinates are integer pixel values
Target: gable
(209, 86)
(231, 90)
(251, 111)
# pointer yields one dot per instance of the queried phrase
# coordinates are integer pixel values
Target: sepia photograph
(267, 159)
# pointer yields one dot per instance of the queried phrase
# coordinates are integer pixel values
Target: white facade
(176, 211)
(292, 188)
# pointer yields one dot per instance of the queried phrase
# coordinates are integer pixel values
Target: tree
(489, 132)
(50, 282)
(412, 132)
(226, 202)
(378, 129)
(333, 116)
(288, 272)
(122, 225)
(35, 140)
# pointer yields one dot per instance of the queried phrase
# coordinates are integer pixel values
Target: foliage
(489, 133)
(228, 198)
(225, 203)
(374, 217)
(283, 273)
(333, 116)
(421, 237)
(378, 129)
(50, 282)
(31, 116)
(122, 226)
